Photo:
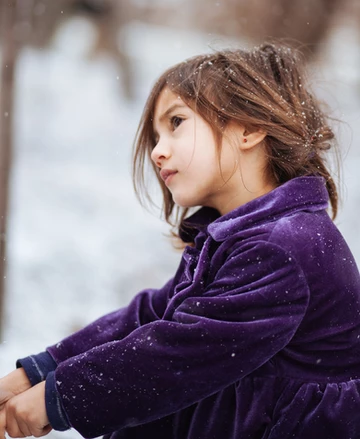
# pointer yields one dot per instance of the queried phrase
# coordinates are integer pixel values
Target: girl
(258, 333)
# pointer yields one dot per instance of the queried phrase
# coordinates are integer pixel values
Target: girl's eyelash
(175, 121)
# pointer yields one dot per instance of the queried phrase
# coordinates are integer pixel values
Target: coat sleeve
(249, 312)
(147, 306)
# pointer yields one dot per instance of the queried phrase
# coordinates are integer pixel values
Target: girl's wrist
(16, 381)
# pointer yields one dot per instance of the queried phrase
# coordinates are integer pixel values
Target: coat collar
(299, 194)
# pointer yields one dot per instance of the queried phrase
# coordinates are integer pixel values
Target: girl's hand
(26, 415)
(13, 384)
(2, 424)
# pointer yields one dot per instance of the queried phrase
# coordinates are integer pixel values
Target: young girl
(258, 333)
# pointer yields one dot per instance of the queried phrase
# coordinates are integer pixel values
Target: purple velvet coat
(257, 336)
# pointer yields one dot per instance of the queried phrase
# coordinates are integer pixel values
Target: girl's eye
(175, 121)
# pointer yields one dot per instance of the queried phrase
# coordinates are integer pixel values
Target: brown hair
(264, 88)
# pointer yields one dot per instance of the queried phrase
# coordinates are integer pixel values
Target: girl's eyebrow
(166, 113)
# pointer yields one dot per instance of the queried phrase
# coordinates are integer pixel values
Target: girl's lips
(166, 175)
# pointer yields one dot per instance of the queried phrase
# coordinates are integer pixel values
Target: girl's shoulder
(307, 231)
(309, 239)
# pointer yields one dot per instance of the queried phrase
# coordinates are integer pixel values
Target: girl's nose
(159, 154)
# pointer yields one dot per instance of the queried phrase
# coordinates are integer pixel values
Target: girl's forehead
(165, 99)
(165, 103)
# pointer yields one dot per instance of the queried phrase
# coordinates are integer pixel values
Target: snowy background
(79, 244)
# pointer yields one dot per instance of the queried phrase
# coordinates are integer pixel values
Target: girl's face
(186, 154)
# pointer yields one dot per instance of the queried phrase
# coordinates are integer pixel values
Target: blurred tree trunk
(8, 60)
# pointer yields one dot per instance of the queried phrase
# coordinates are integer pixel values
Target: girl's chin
(185, 203)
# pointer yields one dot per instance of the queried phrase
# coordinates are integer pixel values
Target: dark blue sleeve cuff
(54, 407)
(37, 367)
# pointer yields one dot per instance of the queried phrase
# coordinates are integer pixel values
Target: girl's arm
(146, 307)
(248, 313)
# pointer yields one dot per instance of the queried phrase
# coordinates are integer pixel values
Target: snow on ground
(79, 244)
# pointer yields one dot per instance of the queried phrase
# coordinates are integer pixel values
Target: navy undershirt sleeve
(54, 407)
(37, 366)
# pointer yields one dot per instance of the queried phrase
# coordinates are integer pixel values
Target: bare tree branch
(8, 22)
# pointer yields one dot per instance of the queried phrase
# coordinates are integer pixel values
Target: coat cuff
(54, 408)
(37, 366)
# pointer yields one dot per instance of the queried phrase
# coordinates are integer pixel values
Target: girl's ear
(251, 138)
(245, 138)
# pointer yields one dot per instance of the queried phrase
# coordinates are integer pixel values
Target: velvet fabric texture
(256, 336)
